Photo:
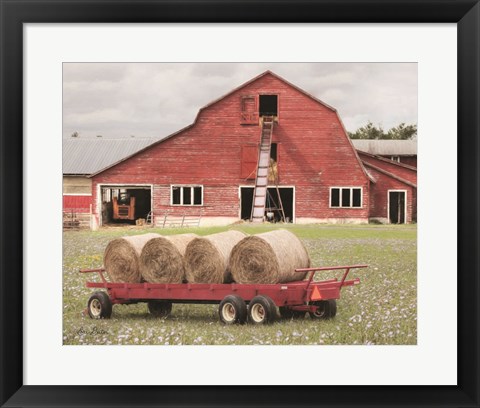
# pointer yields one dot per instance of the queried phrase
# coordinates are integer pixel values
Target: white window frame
(340, 206)
(119, 186)
(182, 186)
(280, 187)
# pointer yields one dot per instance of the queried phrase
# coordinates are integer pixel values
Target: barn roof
(84, 156)
(212, 103)
(389, 174)
(387, 147)
(362, 155)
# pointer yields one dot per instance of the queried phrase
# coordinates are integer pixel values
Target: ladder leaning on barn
(261, 180)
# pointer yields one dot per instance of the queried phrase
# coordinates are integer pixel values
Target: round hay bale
(271, 257)
(206, 258)
(161, 260)
(121, 258)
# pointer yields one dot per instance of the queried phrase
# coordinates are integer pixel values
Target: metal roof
(90, 155)
(387, 147)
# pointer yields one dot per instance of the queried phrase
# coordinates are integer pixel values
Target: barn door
(249, 162)
(396, 207)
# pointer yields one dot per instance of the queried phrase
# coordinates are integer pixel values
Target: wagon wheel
(288, 313)
(159, 308)
(99, 306)
(232, 309)
(262, 310)
(326, 309)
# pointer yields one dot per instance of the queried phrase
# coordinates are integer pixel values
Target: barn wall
(314, 154)
(78, 203)
(77, 194)
(77, 185)
(379, 196)
(409, 160)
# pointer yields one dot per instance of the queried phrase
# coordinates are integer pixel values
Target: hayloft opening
(273, 151)
(272, 204)
(273, 176)
(125, 204)
(268, 105)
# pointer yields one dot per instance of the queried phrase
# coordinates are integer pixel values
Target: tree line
(372, 132)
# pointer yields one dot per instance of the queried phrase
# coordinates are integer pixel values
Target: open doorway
(272, 203)
(397, 207)
(125, 204)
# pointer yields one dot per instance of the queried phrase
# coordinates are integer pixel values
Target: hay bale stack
(121, 258)
(271, 257)
(206, 258)
(161, 260)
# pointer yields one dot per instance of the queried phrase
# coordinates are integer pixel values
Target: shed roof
(84, 156)
(387, 147)
(388, 173)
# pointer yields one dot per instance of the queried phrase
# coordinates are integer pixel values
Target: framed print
(75, 71)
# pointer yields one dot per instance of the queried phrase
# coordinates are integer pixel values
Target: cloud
(155, 100)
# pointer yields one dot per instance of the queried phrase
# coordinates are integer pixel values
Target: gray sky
(155, 100)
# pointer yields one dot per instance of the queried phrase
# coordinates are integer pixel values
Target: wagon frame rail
(292, 298)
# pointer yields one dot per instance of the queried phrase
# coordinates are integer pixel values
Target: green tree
(402, 132)
(372, 132)
(369, 131)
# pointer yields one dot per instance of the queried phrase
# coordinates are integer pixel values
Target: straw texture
(206, 258)
(121, 258)
(271, 257)
(162, 258)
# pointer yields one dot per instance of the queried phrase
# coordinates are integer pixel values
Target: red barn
(211, 167)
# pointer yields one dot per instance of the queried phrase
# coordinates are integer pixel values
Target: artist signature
(94, 331)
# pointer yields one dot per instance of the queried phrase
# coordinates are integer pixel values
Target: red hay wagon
(294, 299)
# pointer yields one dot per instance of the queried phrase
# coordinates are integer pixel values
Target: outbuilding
(83, 157)
(401, 151)
(393, 190)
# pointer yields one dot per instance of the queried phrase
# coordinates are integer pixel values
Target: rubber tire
(287, 313)
(328, 310)
(105, 306)
(240, 309)
(268, 306)
(159, 308)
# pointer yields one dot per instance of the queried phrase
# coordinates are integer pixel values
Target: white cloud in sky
(155, 100)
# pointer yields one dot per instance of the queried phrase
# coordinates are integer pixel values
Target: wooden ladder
(263, 164)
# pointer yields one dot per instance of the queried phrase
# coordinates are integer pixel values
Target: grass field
(381, 310)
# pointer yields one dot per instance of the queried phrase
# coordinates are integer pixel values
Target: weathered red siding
(79, 203)
(313, 149)
(409, 160)
(379, 196)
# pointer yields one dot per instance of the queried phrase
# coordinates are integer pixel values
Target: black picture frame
(465, 13)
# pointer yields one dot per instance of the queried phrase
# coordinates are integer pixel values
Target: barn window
(187, 195)
(346, 197)
(268, 105)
